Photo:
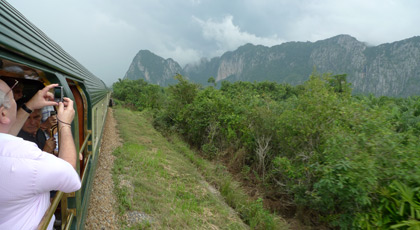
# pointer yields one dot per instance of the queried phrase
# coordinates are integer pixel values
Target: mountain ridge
(390, 69)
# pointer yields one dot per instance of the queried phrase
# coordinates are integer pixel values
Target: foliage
(334, 154)
(138, 94)
(179, 96)
(398, 208)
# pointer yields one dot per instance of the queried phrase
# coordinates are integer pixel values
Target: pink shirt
(27, 175)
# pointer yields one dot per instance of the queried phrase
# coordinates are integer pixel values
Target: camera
(58, 94)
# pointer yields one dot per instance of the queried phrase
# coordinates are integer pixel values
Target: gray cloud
(228, 36)
(105, 35)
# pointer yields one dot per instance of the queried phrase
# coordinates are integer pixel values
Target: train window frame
(10, 69)
(82, 110)
(31, 85)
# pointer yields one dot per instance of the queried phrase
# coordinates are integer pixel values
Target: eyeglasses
(11, 88)
(14, 85)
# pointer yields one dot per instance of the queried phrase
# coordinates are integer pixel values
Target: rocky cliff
(152, 68)
(388, 69)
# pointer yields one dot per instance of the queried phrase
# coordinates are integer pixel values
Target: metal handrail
(68, 222)
(54, 204)
(84, 174)
(85, 142)
(50, 211)
(53, 128)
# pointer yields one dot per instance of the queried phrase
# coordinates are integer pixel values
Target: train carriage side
(28, 55)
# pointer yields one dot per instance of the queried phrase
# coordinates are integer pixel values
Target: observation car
(29, 56)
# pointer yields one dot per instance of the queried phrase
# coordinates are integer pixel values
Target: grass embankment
(160, 185)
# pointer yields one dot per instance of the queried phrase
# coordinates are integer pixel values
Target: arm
(40, 99)
(65, 115)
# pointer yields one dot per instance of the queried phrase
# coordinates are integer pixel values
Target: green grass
(251, 212)
(168, 182)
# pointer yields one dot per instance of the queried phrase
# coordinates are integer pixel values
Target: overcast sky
(105, 35)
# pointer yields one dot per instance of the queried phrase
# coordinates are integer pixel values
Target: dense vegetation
(345, 161)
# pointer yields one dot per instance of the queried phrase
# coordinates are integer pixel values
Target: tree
(212, 80)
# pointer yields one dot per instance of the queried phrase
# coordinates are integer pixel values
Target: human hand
(50, 145)
(42, 98)
(50, 122)
(65, 112)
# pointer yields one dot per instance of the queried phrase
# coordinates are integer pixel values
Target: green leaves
(138, 94)
(398, 208)
(334, 154)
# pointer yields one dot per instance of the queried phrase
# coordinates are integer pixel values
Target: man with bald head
(28, 174)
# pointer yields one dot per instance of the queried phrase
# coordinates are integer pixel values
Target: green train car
(28, 55)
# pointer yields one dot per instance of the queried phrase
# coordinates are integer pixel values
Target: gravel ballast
(102, 213)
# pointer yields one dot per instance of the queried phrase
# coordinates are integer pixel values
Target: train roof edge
(22, 37)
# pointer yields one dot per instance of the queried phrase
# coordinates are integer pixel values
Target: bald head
(4, 99)
(7, 108)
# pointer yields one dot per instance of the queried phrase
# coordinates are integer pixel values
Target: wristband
(28, 110)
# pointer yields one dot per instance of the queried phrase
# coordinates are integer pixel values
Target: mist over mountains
(391, 69)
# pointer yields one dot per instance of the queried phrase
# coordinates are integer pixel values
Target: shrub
(349, 161)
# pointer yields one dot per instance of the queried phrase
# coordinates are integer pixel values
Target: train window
(30, 80)
(82, 114)
(12, 69)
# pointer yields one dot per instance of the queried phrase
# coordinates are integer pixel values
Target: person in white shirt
(27, 174)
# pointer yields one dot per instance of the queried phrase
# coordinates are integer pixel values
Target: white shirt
(27, 175)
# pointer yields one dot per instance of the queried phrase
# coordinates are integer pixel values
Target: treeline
(345, 161)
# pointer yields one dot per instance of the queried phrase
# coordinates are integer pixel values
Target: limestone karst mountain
(391, 69)
(153, 69)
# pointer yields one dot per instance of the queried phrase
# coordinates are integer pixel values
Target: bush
(138, 94)
(346, 161)
(398, 208)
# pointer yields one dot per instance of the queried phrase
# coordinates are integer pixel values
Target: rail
(86, 161)
(57, 198)
(50, 211)
(84, 174)
(68, 222)
(85, 142)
